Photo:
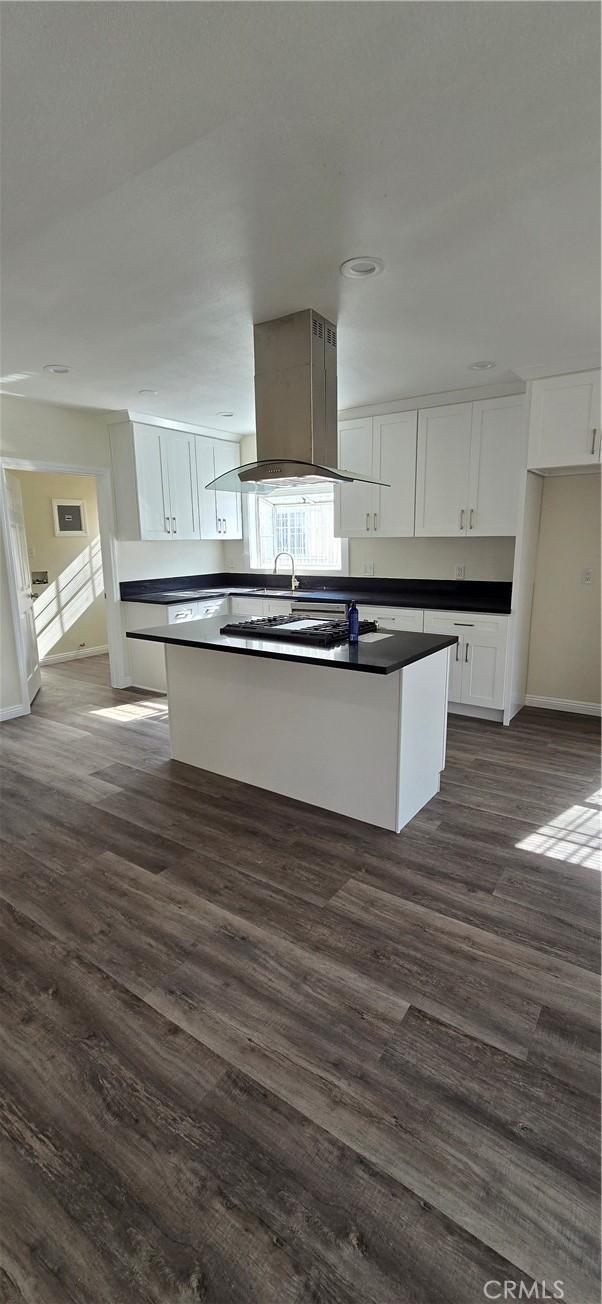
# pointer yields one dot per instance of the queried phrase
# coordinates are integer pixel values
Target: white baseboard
(73, 656)
(11, 712)
(564, 704)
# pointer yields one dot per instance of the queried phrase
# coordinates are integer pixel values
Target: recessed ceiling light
(56, 368)
(225, 414)
(148, 391)
(358, 269)
(481, 366)
(15, 377)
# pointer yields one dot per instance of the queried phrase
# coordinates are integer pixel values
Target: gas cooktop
(296, 629)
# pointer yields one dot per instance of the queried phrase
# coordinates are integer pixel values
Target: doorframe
(119, 669)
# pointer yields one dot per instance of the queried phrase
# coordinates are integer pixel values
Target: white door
(152, 476)
(205, 472)
(226, 456)
(443, 624)
(394, 442)
(178, 447)
(483, 665)
(355, 503)
(565, 421)
(442, 470)
(498, 463)
(29, 641)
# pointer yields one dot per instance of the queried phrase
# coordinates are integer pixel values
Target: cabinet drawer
(401, 618)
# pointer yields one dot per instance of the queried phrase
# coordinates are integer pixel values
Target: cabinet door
(483, 666)
(356, 503)
(565, 421)
(152, 483)
(435, 623)
(442, 470)
(498, 464)
(229, 516)
(179, 451)
(205, 472)
(394, 442)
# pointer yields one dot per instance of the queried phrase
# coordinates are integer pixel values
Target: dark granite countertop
(494, 597)
(379, 654)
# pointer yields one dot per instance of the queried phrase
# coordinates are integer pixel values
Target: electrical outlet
(586, 575)
(460, 572)
(368, 568)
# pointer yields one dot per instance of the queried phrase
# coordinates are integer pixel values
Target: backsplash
(434, 559)
(141, 561)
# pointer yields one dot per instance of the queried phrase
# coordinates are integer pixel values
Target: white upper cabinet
(471, 460)
(229, 516)
(442, 469)
(354, 503)
(178, 447)
(384, 448)
(152, 482)
(564, 425)
(220, 512)
(497, 465)
(159, 476)
(394, 460)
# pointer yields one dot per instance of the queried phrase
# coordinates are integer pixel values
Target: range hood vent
(295, 409)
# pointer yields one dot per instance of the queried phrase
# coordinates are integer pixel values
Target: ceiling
(173, 172)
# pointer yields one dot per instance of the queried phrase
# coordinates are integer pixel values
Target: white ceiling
(174, 171)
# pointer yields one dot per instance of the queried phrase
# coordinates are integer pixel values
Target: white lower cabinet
(147, 660)
(478, 662)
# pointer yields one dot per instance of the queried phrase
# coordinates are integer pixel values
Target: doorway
(53, 519)
(77, 611)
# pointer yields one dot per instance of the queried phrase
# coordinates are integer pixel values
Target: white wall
(564, 653)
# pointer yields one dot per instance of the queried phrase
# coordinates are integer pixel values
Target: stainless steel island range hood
(295, 409)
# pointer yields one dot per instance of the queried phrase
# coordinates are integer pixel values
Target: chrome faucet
(294, 580)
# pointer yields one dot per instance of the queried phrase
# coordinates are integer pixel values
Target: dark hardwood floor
(254, 1053)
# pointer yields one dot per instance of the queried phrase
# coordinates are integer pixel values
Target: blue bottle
(353, 620)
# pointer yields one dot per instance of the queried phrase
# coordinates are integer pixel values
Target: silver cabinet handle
(466, 654)
(471, 521)
(462, 515)
(167, 525)
(465, 624)
(375, 520)
(173, 524)
(219, 524)
(458, 650)
(367, 520)
(225, 529)
(594, 434)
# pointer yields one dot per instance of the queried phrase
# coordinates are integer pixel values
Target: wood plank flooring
(255, 1053)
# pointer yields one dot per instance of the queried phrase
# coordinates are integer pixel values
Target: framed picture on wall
(69, 515)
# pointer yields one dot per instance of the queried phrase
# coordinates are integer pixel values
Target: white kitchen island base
(370, 746)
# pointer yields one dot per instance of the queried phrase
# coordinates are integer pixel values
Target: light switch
(586, 575)
(368, 568)
(460, 572)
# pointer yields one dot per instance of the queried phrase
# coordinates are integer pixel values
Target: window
(300, 523)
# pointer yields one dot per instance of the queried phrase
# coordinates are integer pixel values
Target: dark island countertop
(487, 596)
(378, 654)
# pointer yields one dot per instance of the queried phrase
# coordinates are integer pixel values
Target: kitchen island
(368, 743)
